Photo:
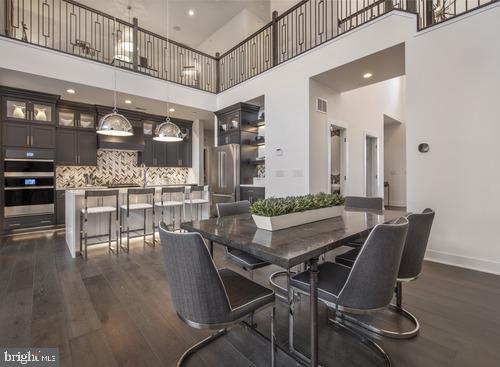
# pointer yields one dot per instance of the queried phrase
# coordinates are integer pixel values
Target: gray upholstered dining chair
(410, 269)
(364, 287)
(362, 203)
(205, 297)
(238, 257)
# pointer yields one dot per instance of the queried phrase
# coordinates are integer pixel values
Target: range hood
(134, 142)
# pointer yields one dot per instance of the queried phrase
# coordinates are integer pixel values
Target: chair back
(169, 191)
(370, 285)
(149, 195)
(196, 288)
(416, 243)
(362, 202)
(238, 207)
(100, 195)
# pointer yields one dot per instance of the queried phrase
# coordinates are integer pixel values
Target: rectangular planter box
(296, 219)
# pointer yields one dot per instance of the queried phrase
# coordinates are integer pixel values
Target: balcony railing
(76, 29)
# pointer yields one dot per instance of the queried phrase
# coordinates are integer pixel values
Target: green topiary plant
(273, 207)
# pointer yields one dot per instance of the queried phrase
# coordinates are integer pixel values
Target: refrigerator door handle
(223, 195)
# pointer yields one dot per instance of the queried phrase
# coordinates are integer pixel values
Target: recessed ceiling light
(171, 109)
(128, 101)
(70, 91)
(367, 75)
(191, 12)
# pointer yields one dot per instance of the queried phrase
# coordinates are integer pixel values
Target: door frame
(344, 155)
(374, 135)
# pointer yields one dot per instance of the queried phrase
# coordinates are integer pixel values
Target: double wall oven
(28, 182)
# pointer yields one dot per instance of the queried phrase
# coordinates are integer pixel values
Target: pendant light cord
(114, 70)
(168, 63)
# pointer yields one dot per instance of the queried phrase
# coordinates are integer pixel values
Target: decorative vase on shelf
(40, 114)
(18, 112)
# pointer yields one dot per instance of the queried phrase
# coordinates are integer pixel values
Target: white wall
(395, 162)
(52, 64)
(361, 111)
(286, 89)
(453, 91)
(233, 32)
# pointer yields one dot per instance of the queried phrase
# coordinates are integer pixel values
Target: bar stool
(100, 209)
(167, 203)
(125, 210)
(198, 202)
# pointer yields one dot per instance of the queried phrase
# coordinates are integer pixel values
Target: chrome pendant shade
(168, 132)
(115, 124)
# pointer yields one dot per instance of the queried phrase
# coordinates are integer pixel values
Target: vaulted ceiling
(191, 30)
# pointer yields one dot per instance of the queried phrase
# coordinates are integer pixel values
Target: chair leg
(200, 345)
(153, 226)
(109, 231)
(397, 309)
(363, 339)
(274, 349)
(80, 233)
(85, 224)
(144, 227)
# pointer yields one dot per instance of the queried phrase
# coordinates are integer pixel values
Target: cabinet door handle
(27, 140)
(31, 139)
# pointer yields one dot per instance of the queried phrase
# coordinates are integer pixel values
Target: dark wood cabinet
(43, 136)
(160, 153)
(16, 134)
(76, 147)
(173, 157)
(66, 147)
(146, 156)
(60, 206)
(87, 148)
(26, 106)
(22, 135)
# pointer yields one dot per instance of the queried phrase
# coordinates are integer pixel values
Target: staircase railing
(76, 29)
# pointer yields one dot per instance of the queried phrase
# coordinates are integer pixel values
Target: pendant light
(167, 131)
(115, 124)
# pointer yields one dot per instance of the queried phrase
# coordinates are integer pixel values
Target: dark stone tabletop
(291, 246)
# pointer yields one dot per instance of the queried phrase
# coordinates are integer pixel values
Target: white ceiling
(383, 65)
(92, 95)
(209, 15)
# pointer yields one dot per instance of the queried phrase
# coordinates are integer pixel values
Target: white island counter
(98, 223)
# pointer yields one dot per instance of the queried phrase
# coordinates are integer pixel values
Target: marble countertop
(81, 190)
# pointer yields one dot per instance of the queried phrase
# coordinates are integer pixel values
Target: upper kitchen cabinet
(24, 135)
(76, 115)
(232, 120)
(26, 106)
(76, 147)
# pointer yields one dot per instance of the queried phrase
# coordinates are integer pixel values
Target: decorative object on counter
(278, 213)
(114, 123)
(118, 166)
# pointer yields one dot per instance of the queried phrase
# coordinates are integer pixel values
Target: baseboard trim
(472, 263)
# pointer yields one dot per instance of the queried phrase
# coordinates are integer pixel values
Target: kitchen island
(98, 223)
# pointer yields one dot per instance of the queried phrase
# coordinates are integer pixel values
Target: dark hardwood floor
(113, 311)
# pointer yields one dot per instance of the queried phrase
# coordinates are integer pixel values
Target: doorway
(337, 158)
(371, 165)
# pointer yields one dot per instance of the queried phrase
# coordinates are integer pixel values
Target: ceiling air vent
(321, 105)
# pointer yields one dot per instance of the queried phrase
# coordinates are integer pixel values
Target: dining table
(287, 248)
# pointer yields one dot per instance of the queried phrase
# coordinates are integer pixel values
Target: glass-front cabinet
(26, 110)
(74, 118)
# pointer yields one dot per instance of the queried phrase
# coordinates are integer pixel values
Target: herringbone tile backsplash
(117, 166)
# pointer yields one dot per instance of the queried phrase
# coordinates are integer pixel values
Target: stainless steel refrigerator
(223, 174)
